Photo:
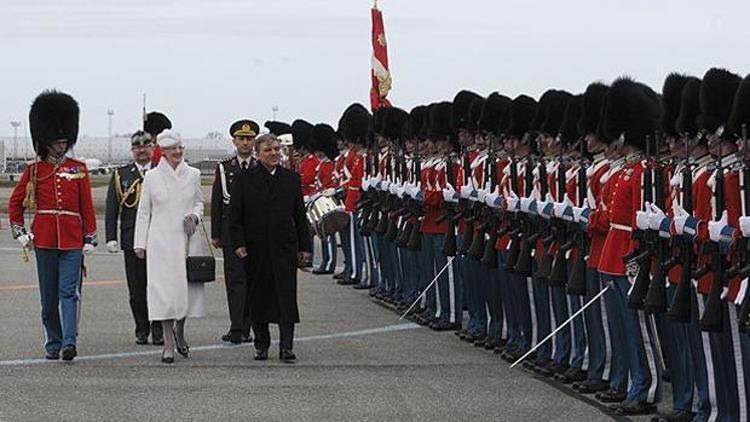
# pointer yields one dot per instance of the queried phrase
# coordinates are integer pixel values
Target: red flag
(381, 74)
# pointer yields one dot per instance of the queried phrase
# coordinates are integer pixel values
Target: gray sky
(207, 63)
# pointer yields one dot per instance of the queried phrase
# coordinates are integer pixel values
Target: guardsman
(58, 190)
(323, 145)
(123, 196)
(243, 133)
(305, 160)
(343, 153)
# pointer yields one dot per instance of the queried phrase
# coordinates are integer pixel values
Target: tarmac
(356, 362)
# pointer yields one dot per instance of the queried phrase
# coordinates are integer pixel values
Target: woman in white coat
(169, 212)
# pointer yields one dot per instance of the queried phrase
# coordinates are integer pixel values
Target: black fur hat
(461, 107)
(716, 98)
(155, 123)
(354, 124)
(522, 111)
(395, 124)
(301, 134)
(53, 116)
(278, 128)
(569, 132)
(593, 101)
(440, 122)
(495, 108)
(378, 120)
(740, 109)
(323, 139)
(632, 110)
(555, 112)
(690, 108)
(475, 113)
(541, 110)
(417, 119)
(671, 95)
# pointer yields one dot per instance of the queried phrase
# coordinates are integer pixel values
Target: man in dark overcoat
(270, 233)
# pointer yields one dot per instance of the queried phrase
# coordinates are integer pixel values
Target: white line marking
(211, 347)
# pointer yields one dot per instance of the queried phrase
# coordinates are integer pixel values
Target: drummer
(323, 145)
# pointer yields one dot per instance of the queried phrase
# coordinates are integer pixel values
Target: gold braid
(123, 197)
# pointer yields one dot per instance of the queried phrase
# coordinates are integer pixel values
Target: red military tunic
(307, 171)
(339, 165)
(703, 211)
(355, 168)
(325, 176)
(64, 209)
(624, 201)
(503, 242)
(734, 211)
(598, 219)
(433, 182)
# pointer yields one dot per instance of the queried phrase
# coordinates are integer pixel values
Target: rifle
(544, 264)
(449, 243)
(712, 319)
(656, 296)
(643, 253)
(395, 208)
(465, 210)
(559, 275)
(407, 211)
(577, 281)
(515, 248)
(743, 246)
(489, 255)
(415, 236)
(529, 235)
(373, 217)
(476, 250)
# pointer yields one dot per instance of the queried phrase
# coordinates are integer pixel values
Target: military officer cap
(244, 128)
(141, 138)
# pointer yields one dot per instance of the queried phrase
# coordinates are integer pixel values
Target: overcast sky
(206, 63)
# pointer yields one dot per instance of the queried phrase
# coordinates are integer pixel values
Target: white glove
(721, 232)
(113, 246)
(658, 221)
(563, 210)
(366, 183)
(481, 194)
(466, 191)
(385, 186)
(403, 189)
(394, 187)
(190, 224)
(414, 191)
(745, 226)
(684, 223)
(88, 248)
(494, 199)
(642, 217)
(511, 203)
(546, 207)
(25, 239)
(526, 204)
(375, 182)
(329, 192)
(581, 214)
(449, 194)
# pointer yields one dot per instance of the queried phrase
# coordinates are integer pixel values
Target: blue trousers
(578, 334)
(59, 274)
(346, 249)
(372, 262)
(411, 275)
(543, 318)
(523, 297)
(481, 282)
(508, 288)
(356, 247)
(620, 369)
(495, 286)
(640, 347)
(600, 347)
(560, 311)
(722, 357)
(675, 343)
(447, 300)
(328, 249)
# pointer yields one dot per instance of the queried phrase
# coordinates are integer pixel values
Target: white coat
(167, 196)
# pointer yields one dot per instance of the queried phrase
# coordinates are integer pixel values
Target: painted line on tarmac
(29, 286)
(212, 347)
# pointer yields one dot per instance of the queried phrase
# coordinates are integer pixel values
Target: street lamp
(274, 109)
(110, 113)
(16, 124)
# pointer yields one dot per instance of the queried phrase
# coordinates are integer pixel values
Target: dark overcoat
(268, 218)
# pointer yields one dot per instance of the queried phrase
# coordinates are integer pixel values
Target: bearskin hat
(740, 109)
(417, 119)
(541, 110)
(716, 97)
(53, 116)
(301, 134)
(323, 139)
(495, 107)
(354, 124)
(156, 123)
(690, 108)
(522, 111)
(395, 123)
(475, 112)
(555, 112)
(632, 110)
(440, 122)
(569, 132)
(278, 128)
(593, 101)
(461, 107)
(671, 95)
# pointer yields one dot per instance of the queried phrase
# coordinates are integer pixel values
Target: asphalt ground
(356, 361)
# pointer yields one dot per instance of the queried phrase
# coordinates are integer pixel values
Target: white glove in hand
(745, 226)
(394, 187)
(385, 185)
(113, 246)
(366, 183)
(493, 199)
(88, 248)
(720, 230)
(25, 239)
(563, 210)
(449, 194)
(403, 189)
(525, 204)
(642, 218)
(511, 202)
(466, 191)
(481, 194)
(190, 224)
(329, 192)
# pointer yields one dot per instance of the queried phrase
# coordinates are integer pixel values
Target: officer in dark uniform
(243, 134)
(123, 196)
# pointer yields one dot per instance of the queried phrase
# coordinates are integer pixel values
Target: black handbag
(200, 269)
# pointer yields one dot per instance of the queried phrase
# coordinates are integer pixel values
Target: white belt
(58, 212)
(620, 227)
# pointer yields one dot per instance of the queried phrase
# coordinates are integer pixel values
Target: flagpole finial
(374, 4)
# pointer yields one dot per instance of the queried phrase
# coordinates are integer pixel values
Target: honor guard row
(598, 239)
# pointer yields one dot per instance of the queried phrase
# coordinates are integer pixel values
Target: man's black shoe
(347, 281)
(319, 271)
(675, 416)
(157, 340)
(287, 356)
(235, 337)
(571, 375)
(636, 408)
(592, 386)
(261, 354)
(611, 396)
(360, 287)
(339, 276)
(227, 337)
(141, 340)
(69, 353)
(247, 338)
(54, 355)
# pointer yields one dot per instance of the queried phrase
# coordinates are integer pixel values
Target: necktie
(244, 165)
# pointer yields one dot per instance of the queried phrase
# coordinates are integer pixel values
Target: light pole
(15, 124)
(110, 113)
(274, 109)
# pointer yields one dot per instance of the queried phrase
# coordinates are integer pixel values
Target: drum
(327, 215)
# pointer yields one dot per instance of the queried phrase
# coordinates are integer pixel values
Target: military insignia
(381, 40)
